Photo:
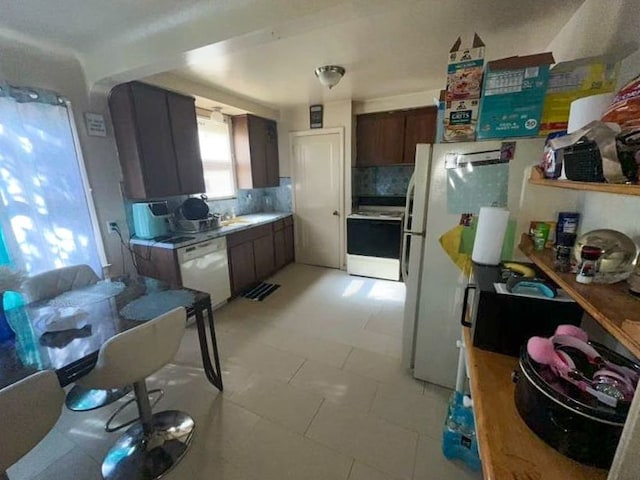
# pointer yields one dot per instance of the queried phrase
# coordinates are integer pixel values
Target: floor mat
(261, 291)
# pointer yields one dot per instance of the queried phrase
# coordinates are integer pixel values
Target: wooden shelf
(612, 306)
(509, 450)
(537, 178)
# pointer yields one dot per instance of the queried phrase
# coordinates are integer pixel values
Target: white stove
(374, 241)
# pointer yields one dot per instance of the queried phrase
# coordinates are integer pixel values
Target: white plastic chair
(156, 442)
(30, 408)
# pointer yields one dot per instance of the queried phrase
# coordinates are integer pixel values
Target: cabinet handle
(336, 213)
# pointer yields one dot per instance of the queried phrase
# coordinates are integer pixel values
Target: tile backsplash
(387, 181)
(257, 200)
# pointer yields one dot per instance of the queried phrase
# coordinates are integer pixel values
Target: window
(217, 159)
(46, 213)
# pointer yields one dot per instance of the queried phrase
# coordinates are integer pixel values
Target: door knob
(336, 213)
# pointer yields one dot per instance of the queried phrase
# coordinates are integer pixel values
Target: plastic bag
(625, 108)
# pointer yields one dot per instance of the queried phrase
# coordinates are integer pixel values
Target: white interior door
(317, 159)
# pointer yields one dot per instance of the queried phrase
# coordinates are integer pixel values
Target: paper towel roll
(492, 225)
(587, 109)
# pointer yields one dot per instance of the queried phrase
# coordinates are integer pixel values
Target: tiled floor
(313, 390)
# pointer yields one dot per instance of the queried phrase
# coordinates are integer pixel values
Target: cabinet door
(280, 249)
(184, 127)
(157, 157)
(258, 151)
(420, 127)
(366, 135)
(289, 249)
(241, 267)
(264, 256)
(380, 138)
(391, 138)
(271, 154)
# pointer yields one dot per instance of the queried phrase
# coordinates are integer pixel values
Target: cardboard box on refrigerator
(513, 95)
(464, 86)
(572, 80)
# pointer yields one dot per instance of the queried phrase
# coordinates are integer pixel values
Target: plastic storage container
(459, 434)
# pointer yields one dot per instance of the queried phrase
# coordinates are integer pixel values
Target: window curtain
(45, 218)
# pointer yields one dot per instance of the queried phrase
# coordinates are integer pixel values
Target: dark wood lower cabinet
(280, 249)
(241, 267)
(265, 250)
(289, 249)
(264, 256)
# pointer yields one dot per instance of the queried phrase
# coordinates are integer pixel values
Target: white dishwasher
(204, 266)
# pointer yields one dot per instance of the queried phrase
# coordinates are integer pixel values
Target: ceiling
(401, 50)
(267, 52)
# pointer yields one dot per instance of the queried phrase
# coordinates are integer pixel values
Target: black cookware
(195, 208)
(571, 421)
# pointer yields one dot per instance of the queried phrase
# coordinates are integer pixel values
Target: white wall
(27, 66)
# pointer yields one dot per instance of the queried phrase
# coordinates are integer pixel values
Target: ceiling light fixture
(329, 75)
(217, 115)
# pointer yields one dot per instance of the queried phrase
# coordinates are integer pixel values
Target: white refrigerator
(434, 284)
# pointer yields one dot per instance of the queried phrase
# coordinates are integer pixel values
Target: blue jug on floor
(459, 434)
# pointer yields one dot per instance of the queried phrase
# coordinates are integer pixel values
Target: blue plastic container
(459, 434)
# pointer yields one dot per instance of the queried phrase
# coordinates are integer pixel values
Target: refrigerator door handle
(407, 208)
(404, 267)
(465, 301)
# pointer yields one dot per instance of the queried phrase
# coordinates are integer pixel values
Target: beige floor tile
(388, 321)
(264, 359)
(75, 465)
(424, 414)
(311, 347)
(52, 448)
(278, 454)
(432, 464)
(367, 438)
(371, 341)
(336, 385)
(291, 407)
(361, 471)
(382, 368)
(223, 430)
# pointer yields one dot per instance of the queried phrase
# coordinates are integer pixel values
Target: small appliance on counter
(575, 394)
(503, 320)
(150, 219)
(193, 216)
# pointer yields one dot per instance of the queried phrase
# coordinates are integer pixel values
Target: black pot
(571, 421)
(195, 208)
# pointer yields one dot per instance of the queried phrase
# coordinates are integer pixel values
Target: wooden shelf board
(612, 306)
(537, 178)
(509, 450)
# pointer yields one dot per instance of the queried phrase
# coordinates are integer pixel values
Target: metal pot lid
(569, 395)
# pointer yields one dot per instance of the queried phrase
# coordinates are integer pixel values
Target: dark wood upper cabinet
(379, 138)
(419, 127)
(255, 141)
(390, 138)
(157, 137)
(186, 143)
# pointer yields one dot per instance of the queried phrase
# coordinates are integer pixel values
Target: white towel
(52, 319)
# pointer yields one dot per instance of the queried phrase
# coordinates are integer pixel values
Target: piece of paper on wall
(470, 187)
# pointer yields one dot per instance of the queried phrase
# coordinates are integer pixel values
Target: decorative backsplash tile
(257, 200)
(388, 181)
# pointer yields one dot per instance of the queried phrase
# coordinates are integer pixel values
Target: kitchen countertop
(509, 450)
(245, 222)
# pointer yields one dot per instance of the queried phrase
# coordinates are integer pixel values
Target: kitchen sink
(233, 221)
